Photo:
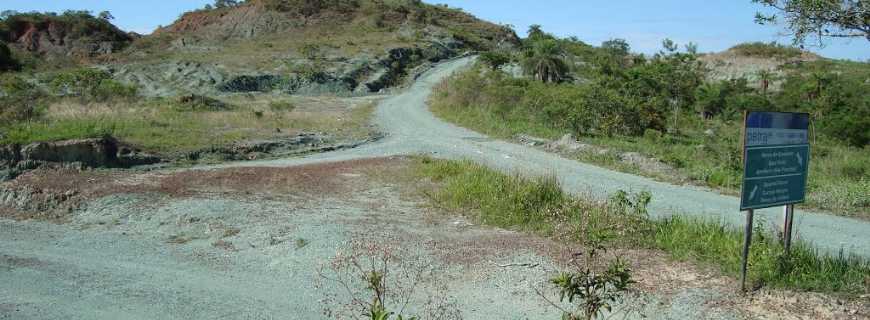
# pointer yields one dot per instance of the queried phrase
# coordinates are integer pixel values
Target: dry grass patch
(158, 126)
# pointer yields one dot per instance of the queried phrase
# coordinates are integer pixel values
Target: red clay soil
(73, 187)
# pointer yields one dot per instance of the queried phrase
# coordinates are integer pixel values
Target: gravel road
(412, 129)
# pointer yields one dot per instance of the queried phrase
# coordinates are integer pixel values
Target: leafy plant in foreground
(592, 293)
(374, 279)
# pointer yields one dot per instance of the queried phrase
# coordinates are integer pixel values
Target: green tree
(544, 62)
(106, 15)
(616, 47)
(710, 99)
(225, 3)
(819, 18)
(536, 33)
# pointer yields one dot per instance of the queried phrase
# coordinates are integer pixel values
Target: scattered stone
(569, 143)
(531, 141)
(647, 164)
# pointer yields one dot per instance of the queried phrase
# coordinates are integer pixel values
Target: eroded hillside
(305, 47)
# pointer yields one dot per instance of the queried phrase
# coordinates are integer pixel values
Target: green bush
(19, 100)
(7, 61)
(111, 89)
(18, 108)
(77, 82)
(495, 59)
(89, 84)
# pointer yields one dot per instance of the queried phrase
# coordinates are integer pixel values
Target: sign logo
(776, 159)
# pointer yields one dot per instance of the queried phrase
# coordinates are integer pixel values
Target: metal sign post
(776, 154)
(788, 223)
(747, 241)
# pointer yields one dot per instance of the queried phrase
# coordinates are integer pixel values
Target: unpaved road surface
(412, 129)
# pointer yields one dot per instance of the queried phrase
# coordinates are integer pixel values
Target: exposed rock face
(360, 75)
(253, 83)
(77, 36)
(89, 152)
(170, 78)
(82, 153)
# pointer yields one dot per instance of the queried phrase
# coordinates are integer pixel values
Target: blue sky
(714, 25)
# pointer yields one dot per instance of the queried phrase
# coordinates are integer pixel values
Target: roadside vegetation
(665, 108)
(539, 206)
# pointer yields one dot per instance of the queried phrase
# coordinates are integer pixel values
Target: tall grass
(805, 268)
(540, 206)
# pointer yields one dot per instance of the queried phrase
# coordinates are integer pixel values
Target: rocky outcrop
(360, 75)
(255, 83)
(74, 34)
(170, 78)
(82, 153)
(91, 153)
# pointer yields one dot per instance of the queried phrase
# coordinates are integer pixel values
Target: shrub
(19, 100)
(592, 292)
(195, 103)
(377, 279)
(77, 82)
(7, 61)
(18, 108)
(90, 84)
(109, 89)
(494, 59)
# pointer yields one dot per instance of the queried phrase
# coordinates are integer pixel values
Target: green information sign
(776, 159)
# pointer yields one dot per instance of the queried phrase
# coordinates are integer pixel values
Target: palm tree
(544, 62)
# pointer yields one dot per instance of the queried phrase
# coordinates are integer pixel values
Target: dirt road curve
(412, 129)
